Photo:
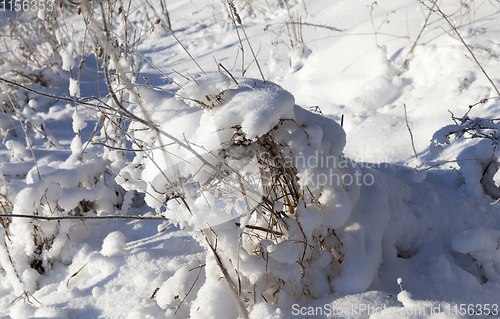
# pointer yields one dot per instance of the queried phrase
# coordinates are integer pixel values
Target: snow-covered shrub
(70, 188)
(479, 166)
(479, 163)
(31, 50)
(79, 185)
(262, 184)
(32, 42)
(75, 187)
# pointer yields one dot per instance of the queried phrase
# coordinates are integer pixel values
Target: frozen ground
(416, 238)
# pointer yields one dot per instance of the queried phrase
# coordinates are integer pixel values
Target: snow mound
(252, 104)
(483, 245)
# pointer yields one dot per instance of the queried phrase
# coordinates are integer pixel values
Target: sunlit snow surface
(441, 236)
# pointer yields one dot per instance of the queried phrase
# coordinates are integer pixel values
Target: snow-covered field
(348, 171)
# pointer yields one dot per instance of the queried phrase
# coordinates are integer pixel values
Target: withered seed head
(235, 12)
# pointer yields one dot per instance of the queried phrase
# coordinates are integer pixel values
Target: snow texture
(365, 229)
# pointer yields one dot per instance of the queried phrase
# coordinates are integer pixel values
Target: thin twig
(451, 161)
(180, 43)
(26, 295)
(421, 31)
(61, 98)
(76, 273)
(254, 57)
(232, 286)
(232, 77)
(411, 135)
(185, 77)
(28, 141)
(466, 46)
(267, 230)
(157, 69)
(198, 276)
(314, 25)
(82, 217)
(238, 20)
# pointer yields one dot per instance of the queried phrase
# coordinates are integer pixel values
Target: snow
(357, 225)
(68, 61)
(78, 122)
(41, 14)
(74, 88)
(19, 152)
(114, 244)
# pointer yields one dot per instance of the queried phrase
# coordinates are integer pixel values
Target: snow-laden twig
(104, 106)
(82, 217)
